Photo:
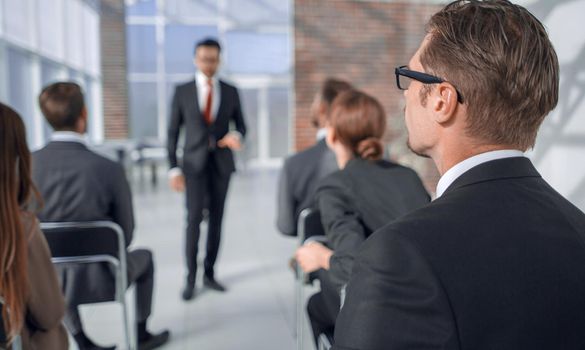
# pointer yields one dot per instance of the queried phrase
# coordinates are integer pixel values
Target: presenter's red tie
(209, 103)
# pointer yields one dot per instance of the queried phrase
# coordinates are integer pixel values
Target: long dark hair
(16, 192)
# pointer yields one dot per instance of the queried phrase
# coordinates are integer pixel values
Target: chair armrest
(325, 341)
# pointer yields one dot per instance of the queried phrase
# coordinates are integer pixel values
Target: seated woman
(33, 302)
(364, 195)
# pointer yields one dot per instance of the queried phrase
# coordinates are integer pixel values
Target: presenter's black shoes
(188, 293)
(211, 283)
(153, 341)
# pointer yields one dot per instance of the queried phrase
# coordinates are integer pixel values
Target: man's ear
(445, 104)
(81, 126)
(331, 137)
(323, 111)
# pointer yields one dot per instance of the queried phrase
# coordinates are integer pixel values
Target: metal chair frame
(305, 237)
(119, 263)
(324, 342)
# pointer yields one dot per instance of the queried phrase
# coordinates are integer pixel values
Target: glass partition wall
(43, 41)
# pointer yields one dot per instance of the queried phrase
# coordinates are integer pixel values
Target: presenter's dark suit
(207, 168)
(76, 184)
(354, 202)
(298, 182)
(497, 262)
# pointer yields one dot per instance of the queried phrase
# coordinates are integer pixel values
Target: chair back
(325, 341)
(92, 242)
(83, 241)
(309, 224)
(309, 227)
(89, 242)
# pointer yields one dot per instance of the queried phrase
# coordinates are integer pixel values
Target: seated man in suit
(301, 171)
(497, 261)
(78, 185)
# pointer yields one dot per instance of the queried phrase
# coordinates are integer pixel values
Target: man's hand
(177, 182)
(313, 256)
(230, 141)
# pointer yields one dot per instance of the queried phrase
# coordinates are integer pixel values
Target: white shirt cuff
(174, 172)
(237, 134)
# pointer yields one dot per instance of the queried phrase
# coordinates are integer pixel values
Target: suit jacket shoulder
(377, 192)
(185, 84)
(497, 262)
(54, 150)
(227, 85)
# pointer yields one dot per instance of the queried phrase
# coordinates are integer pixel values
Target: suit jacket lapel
(193, 100)
(194, 97)
(222, 101)
(506, 168)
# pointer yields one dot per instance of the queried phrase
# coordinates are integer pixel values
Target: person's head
(63, 106)
(321, 106)
(207, 56)
(16, 191)
(498, 73)
(356, 126)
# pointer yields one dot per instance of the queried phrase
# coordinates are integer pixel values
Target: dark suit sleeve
(394, 301)
(122, 209)
(342, 226)
(238, 116)
(174, 129)
(286, 204)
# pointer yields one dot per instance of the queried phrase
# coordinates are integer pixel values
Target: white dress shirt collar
(460, 168)
(321, 134)
(68, 136)
(201, 78)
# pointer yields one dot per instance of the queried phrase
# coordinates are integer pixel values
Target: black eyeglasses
(404, 76)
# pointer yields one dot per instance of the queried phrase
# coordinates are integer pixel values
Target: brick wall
(362, 42)
(113, 57)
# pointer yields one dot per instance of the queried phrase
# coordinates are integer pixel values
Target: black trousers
(323, 307)
(141, 272)
(205, 190)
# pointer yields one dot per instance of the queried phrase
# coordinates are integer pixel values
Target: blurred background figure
(301, 172)
(205, 108)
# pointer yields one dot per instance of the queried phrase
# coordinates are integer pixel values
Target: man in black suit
(497, 261)
(302, 171)
(78, 185)
(205, 107)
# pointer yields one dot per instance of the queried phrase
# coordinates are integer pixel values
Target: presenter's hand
(313, 256)
(177, 182)
(230, 141)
